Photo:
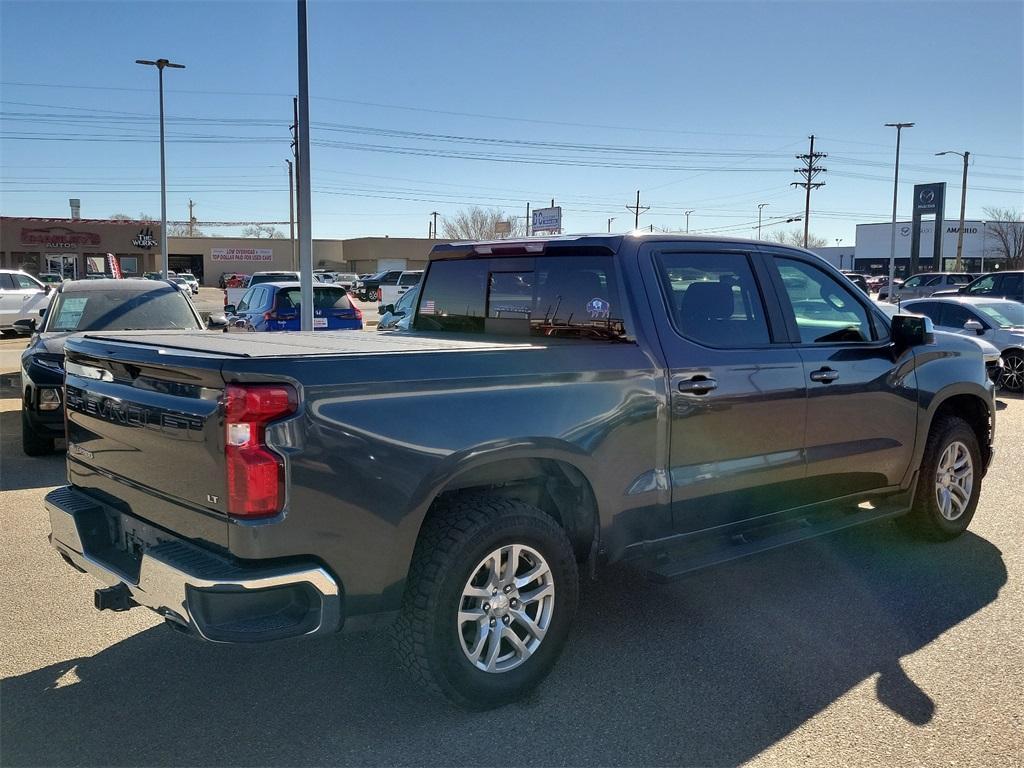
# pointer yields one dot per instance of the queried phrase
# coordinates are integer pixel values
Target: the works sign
(929, 200)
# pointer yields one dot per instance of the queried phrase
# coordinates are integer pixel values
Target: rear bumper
(201, 592)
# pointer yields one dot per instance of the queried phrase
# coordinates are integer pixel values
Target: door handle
(824, 375)
(698, 386)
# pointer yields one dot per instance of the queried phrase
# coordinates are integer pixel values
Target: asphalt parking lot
(864, 648)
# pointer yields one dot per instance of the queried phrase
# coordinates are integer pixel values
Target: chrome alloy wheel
(1013, 373)
(954, 480)
(506, 608)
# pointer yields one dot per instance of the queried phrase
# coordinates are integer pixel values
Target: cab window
(713, 299)
(985, 285)
(826, 311)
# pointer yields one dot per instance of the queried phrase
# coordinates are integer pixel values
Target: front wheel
(491, 596)
(1012, 379)
(32, 443)
(949, 483)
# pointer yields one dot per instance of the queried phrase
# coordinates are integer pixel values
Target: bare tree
(125, 217)
(261, 230)
(481, 224)
(183, 230)
(1005, 237)
(796, 237)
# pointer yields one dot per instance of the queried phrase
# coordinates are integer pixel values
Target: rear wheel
(1013, 371)
(490, 600)
(32, 443)
(949, 483)
(372, 295)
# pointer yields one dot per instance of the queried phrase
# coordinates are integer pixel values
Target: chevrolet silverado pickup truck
(555, 406)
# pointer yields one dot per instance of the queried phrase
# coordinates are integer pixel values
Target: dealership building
(77, 248)
(871, 254)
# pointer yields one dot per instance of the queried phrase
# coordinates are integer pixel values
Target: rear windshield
(119, 311)
(410, 278)
(273, 277)
(326, 297)
(574, 296)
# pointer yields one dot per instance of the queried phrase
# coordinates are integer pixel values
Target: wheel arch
(549, 475)
(972, 407)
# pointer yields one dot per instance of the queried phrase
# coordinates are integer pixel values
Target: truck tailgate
(145, 433)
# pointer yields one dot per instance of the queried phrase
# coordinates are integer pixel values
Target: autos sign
(58, 237)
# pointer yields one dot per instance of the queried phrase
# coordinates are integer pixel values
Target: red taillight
(358, 311)
(255, 474)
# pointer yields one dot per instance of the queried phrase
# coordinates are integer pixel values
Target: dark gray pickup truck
(556, 406)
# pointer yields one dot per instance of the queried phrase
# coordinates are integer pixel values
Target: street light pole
(895, 193)
(760, 207)
(963, 205)
(305, 204)
(610, 220)
(160, 64)
(688, 219)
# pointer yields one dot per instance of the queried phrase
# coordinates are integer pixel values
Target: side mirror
(388, 308)
(974, 325)
(217, 320)
(48, 288)
(229, 309)
(912, 331)
(42, 312)
(27, 326)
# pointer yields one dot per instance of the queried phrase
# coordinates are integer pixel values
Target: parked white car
(21, 298)
(998, 321)
(390, 294)
(398, 316)
(189, 278)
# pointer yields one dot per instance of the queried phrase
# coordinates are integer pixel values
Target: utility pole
(895, 192)
(760, 207)
(291, 214)
(430, 230)
(809, 172)
(435, 214)
(527, 219)
(610, 223)
(688, 219)
(295, 156)
(191, 219)
(305, 204)
(636, 210)
(963, 205)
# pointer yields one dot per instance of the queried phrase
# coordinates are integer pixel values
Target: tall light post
(304, 202)
(760, 207)
(160, 64)
(688, 219)
(895, 193)
(963, 205)
(610, 220)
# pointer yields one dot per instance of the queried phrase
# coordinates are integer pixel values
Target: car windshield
(119, 310)
(1003, 314)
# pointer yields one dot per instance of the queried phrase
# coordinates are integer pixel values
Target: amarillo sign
(58, 237)
(242, 254)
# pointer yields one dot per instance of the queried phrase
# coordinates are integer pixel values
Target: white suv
(21, 298)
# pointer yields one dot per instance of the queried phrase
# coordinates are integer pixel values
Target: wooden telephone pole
(809, 172)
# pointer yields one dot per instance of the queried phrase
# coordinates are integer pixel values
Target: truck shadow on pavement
(708, 671)
(18, 471)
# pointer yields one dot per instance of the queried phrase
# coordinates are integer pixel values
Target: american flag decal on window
(427, 308)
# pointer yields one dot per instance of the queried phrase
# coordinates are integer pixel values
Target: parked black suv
(994, 285)
(556, 406)
(368, 289)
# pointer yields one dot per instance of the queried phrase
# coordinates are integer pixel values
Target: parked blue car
(275, 307)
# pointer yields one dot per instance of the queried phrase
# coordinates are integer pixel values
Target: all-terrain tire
(461, 533)
(925, 519)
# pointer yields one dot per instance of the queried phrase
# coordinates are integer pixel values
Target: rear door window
(714, 300)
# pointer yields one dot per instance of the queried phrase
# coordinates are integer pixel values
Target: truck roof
(535, 245)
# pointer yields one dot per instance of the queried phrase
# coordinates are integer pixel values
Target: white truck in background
(389, 294)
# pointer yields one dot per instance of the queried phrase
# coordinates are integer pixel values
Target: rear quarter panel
(378, 438)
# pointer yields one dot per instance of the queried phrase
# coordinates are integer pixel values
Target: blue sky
(699, 105)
